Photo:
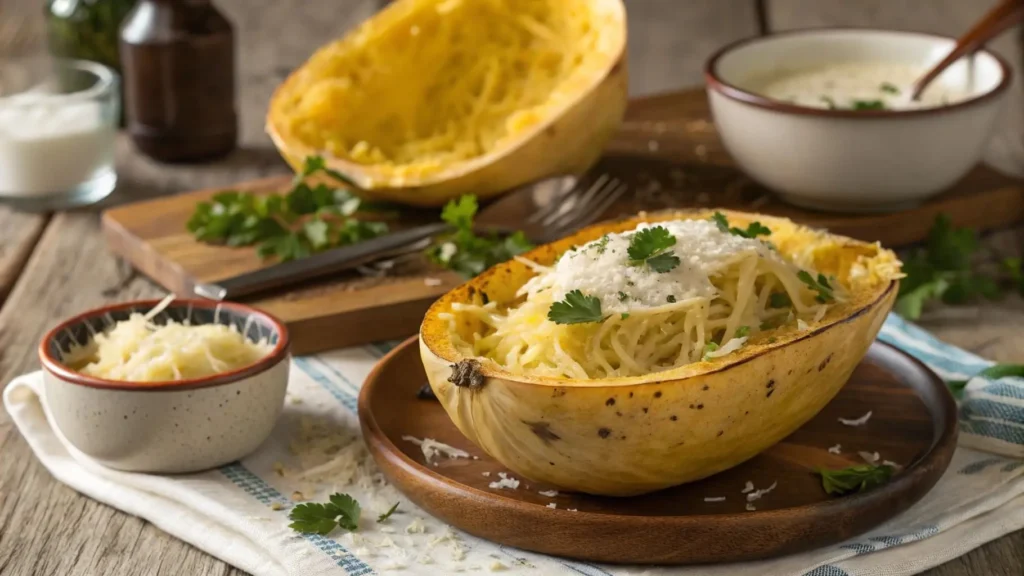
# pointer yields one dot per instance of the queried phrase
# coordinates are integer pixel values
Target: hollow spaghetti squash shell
(628, 436)
(564, 135)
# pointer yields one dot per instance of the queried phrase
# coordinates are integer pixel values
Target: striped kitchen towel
(239, 512)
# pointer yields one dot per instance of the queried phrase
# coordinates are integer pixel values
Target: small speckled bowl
(169, 427)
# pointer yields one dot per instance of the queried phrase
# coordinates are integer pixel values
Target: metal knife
(315, 266)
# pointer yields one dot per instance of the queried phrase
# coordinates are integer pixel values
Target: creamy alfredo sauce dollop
(854, 85)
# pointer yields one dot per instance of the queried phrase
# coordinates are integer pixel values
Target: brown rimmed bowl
(174, 426)
(846, 160)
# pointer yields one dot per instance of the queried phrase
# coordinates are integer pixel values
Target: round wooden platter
(913, 423)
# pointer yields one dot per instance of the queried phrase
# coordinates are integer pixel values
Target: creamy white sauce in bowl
(856, 85)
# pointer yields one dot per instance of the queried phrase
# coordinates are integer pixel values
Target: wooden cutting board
(667, 150)
(913, 424)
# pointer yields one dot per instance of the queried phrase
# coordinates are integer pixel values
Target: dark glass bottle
(179, 76)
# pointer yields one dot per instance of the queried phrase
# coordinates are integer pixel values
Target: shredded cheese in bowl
(137, 350)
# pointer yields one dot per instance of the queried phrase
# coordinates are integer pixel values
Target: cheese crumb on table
(505, 481)
(835, 449)
(748, 488)
(552, 505)
(715, 499)
(757, 494)
(548, 493)
(856, 421)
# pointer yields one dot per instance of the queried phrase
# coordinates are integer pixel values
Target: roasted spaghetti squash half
(657, 350)
(431, 99)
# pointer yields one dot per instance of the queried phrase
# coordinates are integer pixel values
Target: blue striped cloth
(239, 512)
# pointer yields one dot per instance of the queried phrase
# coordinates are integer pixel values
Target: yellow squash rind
(568, 139)
(628, 436)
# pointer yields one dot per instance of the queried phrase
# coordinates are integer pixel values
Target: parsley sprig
(314, 518)
(753, 230)
(949, 268)
(650, 246)
(576, 308)
(854, 479)
(466, 252)
(819, 285)
(304, 220)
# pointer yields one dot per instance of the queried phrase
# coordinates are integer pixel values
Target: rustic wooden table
(54, 265)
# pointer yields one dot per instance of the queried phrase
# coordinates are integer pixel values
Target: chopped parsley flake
(868, 105)
(602, 244)
(779, 300)
(889, 88)
(623, 296)
(709, 348)
(388, 514)
(829, 102)
(743, 331)
(625, 315)
(576, 309)
(671, 299)
(821, 286)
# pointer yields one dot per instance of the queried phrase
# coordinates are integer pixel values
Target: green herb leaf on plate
(854, 479)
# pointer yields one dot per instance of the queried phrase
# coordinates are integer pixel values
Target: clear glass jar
(58, 122)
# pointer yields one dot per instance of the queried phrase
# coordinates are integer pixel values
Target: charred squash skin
(567, 140)
(629, 436)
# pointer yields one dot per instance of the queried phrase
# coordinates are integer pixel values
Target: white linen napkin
(239, 512)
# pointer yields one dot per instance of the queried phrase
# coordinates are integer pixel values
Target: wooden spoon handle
(1004, 15)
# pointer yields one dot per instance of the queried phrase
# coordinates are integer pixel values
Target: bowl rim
(66, 374)
(733, 92)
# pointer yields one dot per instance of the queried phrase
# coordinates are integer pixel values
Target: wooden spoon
(1004, 15)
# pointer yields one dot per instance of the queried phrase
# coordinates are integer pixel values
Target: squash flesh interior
(434, 82)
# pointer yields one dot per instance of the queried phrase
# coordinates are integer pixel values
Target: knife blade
(315, 266)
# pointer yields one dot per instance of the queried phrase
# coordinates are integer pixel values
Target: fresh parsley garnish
(868, 105)
(854, 479)
(602, 244)
(663, 262)
(670, 299)
(466, 252)
(946, 269)
(649, 246)
(388, 514)
(779, 300)
(993, 372)
(625, 315)
(889, 88)
(313, 518)
(742, 332)
(819, 285)
(576, 308)
(305, 220)
(623, 296)
(753, 230)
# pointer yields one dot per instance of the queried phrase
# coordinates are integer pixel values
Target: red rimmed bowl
(174, 426)
(853, 160)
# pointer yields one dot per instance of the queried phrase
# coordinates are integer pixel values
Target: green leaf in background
(993, 372)
(466, 252)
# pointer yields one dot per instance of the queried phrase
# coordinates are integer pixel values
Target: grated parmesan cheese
(856, 421)
(749, 487)
(416, 527)
(757, 494)
(497, 566)
(835, 449)
(801, 325)
(715, 499)
(548, 493)
(432, 448)
(729, 347)
(505, 481)
(137, 350)
(869, 457)
(552, 505)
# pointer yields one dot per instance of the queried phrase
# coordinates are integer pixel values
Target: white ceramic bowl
(846, 160)
(168, 427)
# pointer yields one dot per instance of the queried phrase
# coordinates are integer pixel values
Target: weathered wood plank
(18, 235)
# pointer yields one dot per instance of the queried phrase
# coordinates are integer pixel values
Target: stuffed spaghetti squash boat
(657, 350)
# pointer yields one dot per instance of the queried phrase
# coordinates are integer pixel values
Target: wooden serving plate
(914, 424)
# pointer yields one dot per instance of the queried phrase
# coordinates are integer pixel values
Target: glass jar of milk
(58, 120)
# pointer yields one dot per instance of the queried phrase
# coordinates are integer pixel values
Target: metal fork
(571, 203)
